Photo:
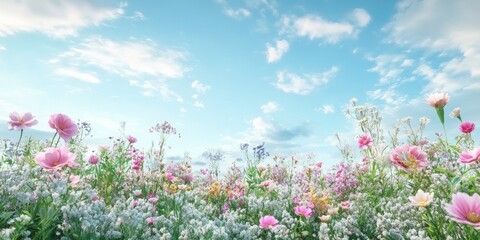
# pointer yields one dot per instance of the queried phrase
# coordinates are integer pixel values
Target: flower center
(422, 203)
(411, 161)
(473, 217)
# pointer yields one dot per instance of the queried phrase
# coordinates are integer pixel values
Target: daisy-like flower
(18, 122)
(409, 158)
(364, 141)
(421, 199)
(438, 99)
(268, 222)
(465, 209)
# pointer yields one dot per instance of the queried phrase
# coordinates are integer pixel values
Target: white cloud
(2, 48)
(389, 67)
(389, 96)
(361, 17)
(198, 104)
(326, 109)
(200, 87)
(237, 13)
(144, 61)
(137, 16)
(54, 18)
(445, 27)
(316, 27)
(74, 73)
(275, 53)
(292, 83)
(270, 107)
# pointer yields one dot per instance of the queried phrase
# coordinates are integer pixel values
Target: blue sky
(227, 72)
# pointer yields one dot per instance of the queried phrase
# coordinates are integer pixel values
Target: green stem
(18, 143)
(446, 138)
(51, 142)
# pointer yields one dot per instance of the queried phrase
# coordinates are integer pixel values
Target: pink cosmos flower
(265, 183)
(469, 157)
(170, 177)
(303, 211)
(74, 179)
(409, 158)
(345, 205)
(18, 122)
(365, 141)
(137, 192)
(296, 201)
(131, 139)
(188, 178)
(467, 127)
(153, 200)
(267, 222)
(438, 99)
(93, 159)
(64, 126)
(55, 158)
(465, 209)
(421, 199)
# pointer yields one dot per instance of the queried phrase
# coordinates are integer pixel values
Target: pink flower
(188, 178)
(465, 209)
(303, 211)
(467, 127)
(409, 158)
(74, 179)
(64, 126)
(93, 159)
(131, 139)
(137, 192)
(345, 205)
(438, 99)
(18, 122)
(296, 201)
(456, 113)
(325, 218)
(150, 220)
(471, 156)
(267, 222)
(153, 200)
(170, 177)
(421, 199)
(55, 158)
(265, 183)
(365, 141)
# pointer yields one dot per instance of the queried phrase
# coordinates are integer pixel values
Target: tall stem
(51, 142)
(18, 143)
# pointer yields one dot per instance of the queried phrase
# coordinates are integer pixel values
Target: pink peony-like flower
(153, 200)
(421, 199)
(93, 159)
(465, 209)
(303, 211)
(55, 158)
(64, 126)
(265, 183)
(18, 122)
(469, 157)
(438, 99)
(150, 220)
(325, 218)
(467, 127)
(365, 141)
(345, 205)
(267, 222)
(131, 139)
(137, 192)
(170, 177)
(409, 158)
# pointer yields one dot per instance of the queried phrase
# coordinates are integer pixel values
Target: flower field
(404, 185)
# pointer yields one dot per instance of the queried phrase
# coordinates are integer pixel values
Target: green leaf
(441, 114)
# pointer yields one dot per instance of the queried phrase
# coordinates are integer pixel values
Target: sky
(226, 72)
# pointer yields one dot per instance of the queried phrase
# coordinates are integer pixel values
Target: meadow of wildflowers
(404, 186)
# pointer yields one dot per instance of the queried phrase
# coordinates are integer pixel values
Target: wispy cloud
(327, 109)
(316, 27)
(144, 61)
(2, 48)
(390, 67)
(74, 73)
(57, 19)
(198, 104)
(275, 53)
(200, 87)
(269, 131)
(444, 27)
(270, 107)
(389, 96)
(293, 83)
(236, 13)
(137, 16)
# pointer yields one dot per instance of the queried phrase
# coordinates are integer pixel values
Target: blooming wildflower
(325, 218)
(55, 158)
(421, 199)
(332, 211)
(170, 177)
(319, 164)
(150, 220)
(74, 179)
(93, 159)
(456, 113)
(18, 122)
(467, 127)
(345, 205)
(409, 158)
(131, 139)
(265, 183)
(438, 99)
(153, 200)
(261, 167)
(296, 200)
(137, 192)
(64, 126)
(465, 209)
(365, 141)
(471, 156)
(424, 120)
(267, 222)
(303, 211)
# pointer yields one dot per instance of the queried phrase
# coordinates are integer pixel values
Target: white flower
(421, 199)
